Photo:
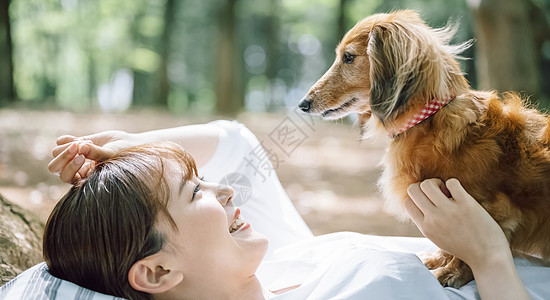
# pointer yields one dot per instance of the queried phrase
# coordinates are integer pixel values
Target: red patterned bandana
(429, 109)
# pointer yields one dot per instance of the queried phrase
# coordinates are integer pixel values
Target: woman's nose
(224, 194)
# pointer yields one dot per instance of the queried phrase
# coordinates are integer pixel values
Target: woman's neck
(250, 289)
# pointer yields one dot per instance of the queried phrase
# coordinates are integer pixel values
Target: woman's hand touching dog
(446, 214)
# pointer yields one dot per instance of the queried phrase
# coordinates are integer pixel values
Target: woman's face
(206, 247)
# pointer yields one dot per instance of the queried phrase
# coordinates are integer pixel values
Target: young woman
(143, 224)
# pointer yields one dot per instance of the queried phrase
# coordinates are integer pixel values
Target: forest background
(81, 66)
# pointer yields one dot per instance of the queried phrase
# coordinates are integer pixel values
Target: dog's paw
(450, 277)
(433, 260)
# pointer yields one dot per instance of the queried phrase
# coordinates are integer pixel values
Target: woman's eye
(348, 58)
(195, 191)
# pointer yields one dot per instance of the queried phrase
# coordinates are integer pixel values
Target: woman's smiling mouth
(238, 223)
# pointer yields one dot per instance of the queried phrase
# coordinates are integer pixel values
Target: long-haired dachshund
(404, 74)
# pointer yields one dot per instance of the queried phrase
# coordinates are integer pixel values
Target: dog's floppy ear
(392, 82)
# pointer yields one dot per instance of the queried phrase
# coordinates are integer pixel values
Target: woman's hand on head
(75, 157)
(446, 214)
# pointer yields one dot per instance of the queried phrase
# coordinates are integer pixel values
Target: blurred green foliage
(107, 54)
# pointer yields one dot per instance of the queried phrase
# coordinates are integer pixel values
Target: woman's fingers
(419, 198)
(60, 160)
(64, 139)
(456, 189)
(413, 211)
(433, 188)
(77, 158)
(57, 150)
(70, 174)
(425, 199)
(60, 148)
(86, 168)
(69, 163)
(95, 152)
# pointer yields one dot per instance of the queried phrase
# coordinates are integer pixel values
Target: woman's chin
(252, 242)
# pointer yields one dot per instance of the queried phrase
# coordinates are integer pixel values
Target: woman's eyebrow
(182, 184)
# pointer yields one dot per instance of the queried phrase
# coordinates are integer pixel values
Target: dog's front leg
(448, 269)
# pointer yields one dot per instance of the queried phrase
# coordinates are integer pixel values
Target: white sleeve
(241, 162)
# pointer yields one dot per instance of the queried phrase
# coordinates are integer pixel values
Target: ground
(327, 171)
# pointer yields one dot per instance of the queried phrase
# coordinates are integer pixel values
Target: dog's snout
(305, 105)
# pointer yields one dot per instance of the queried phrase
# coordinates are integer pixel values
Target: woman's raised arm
(74, 157)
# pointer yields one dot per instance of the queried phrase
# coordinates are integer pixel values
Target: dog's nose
(305, 105)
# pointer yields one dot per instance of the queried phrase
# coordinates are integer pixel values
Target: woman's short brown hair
(106, 223)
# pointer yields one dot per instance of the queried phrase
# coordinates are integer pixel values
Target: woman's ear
(395, 76)
(148, 275)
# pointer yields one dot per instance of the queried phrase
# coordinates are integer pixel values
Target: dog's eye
(348, 58)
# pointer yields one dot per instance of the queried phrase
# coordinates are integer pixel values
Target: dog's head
(386, 65)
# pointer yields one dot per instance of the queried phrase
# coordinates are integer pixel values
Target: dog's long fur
(495, 145)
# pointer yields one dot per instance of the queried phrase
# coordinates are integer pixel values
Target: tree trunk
(163, 88)
(342, 26)
(142, 95)
(507, 57)
(20, 240)
(229, 92)
(7, 93)
(92, 73)
(272, 52)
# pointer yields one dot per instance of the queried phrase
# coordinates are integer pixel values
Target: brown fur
(497, 147)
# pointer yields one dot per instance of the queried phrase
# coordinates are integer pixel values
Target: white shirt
(335, 266)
